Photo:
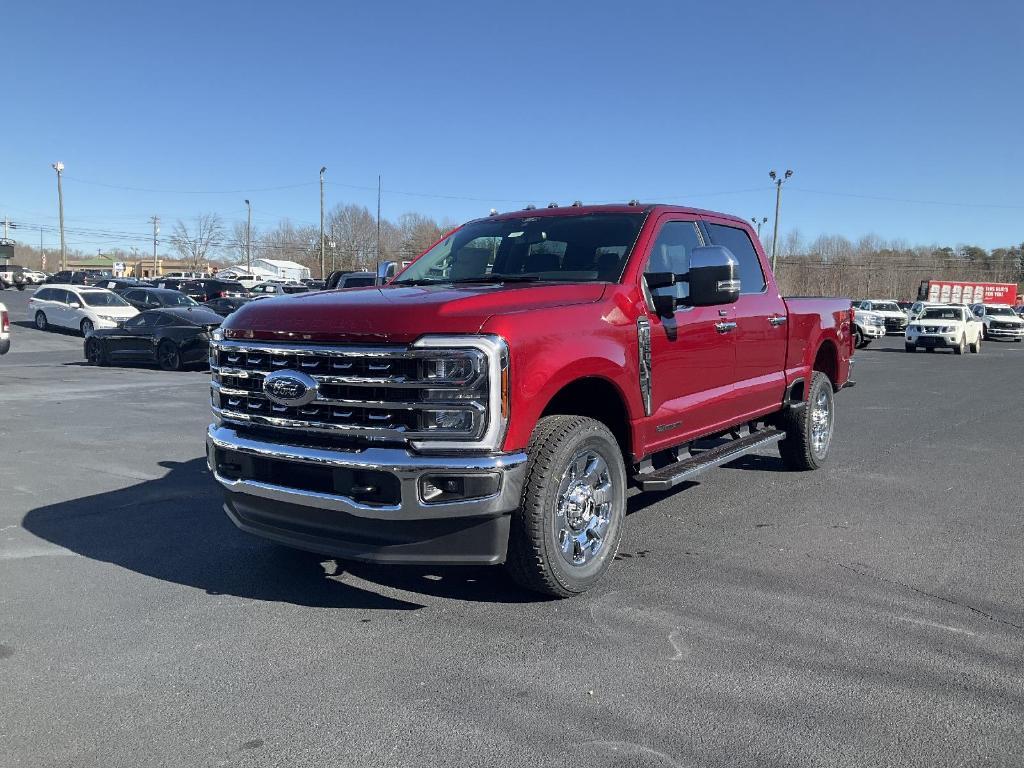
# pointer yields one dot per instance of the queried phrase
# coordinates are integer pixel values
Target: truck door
(761, 333)
(692, 351)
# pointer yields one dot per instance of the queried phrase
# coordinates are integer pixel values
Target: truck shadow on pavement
(173, 529)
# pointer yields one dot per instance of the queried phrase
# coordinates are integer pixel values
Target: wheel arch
(826, 360)
(598, 398)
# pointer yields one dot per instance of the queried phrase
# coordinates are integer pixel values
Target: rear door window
(736, 240)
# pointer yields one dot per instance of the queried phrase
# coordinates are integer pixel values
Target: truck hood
(397, 314)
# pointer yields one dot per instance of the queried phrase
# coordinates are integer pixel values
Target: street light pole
(756, 223)
(248, 240)
(156, 231)
(778, 201)
(323, 262)
(59, 168)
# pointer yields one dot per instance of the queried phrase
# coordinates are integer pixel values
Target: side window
(671, 253)
(736, 240)
(46, 294)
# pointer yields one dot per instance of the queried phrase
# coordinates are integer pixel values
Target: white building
(282, 270)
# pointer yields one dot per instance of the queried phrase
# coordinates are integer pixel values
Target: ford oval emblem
(290, 388)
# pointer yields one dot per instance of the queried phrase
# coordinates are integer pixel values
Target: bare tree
(193, 244)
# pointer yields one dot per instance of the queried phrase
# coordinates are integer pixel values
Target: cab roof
(633, 207)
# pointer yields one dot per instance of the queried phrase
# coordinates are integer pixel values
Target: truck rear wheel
(567, 529)
(809, 429)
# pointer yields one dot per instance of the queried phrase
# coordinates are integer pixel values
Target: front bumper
(1005, 333)
(934, 340)
(315, 499)
(873, 331)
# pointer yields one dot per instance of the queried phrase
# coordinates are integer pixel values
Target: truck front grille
(379, 393)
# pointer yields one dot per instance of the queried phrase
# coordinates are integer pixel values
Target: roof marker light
(577, 204)
(552, 205)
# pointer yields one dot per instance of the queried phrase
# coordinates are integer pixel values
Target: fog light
(440, 488)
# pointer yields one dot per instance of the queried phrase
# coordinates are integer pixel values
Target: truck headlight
(448, 420)
(454, 369)
(469, 375)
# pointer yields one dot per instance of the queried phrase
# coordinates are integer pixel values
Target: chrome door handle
(777, 320)
(725, 327)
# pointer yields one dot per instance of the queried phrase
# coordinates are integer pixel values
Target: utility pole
(156, 231)
(377, 267)
(758, 224)
(59, 168)
(323, 262)
(778, 200)
(248, 239)
(5, 226)
(42, 254)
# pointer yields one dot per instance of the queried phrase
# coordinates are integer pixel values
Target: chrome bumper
(407, 467)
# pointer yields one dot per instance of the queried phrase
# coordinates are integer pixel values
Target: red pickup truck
(494, 401)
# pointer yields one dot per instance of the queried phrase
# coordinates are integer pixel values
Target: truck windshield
(885, 306)
(939, 313)
(582, 248)
(998, 311)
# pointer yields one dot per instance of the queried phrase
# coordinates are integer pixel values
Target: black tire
(539, 544)
(960, 348)
(801, 450)
(858, 338)
(86, 327)
(910, 347)
(41, 322)
(168, 356)
(976, 346)
(95, 352)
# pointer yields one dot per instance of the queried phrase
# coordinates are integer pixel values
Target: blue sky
(470, 105)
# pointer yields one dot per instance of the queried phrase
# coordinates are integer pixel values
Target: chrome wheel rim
(40, 320)
(584, 508)
(86, 327)
(821, 422)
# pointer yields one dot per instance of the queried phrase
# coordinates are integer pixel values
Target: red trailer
(966, 292)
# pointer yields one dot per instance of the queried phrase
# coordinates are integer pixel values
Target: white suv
(950, 326)
(1000, 321)
(78, 307)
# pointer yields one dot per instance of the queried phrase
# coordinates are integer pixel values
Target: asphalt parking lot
(870, 613)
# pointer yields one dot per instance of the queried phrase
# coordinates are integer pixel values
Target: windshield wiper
(497, 278)
(420, 281)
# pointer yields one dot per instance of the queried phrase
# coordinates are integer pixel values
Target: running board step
(674, 474)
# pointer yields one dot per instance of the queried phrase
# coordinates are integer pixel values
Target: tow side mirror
(386, 270)
(713, 277)
(657, 280)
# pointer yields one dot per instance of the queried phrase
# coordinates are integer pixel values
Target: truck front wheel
(567, 529)
(809, 429)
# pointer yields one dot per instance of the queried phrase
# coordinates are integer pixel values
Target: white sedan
(78, 307)
(952, 327)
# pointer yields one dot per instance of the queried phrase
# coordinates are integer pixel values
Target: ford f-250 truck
(494, 401)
